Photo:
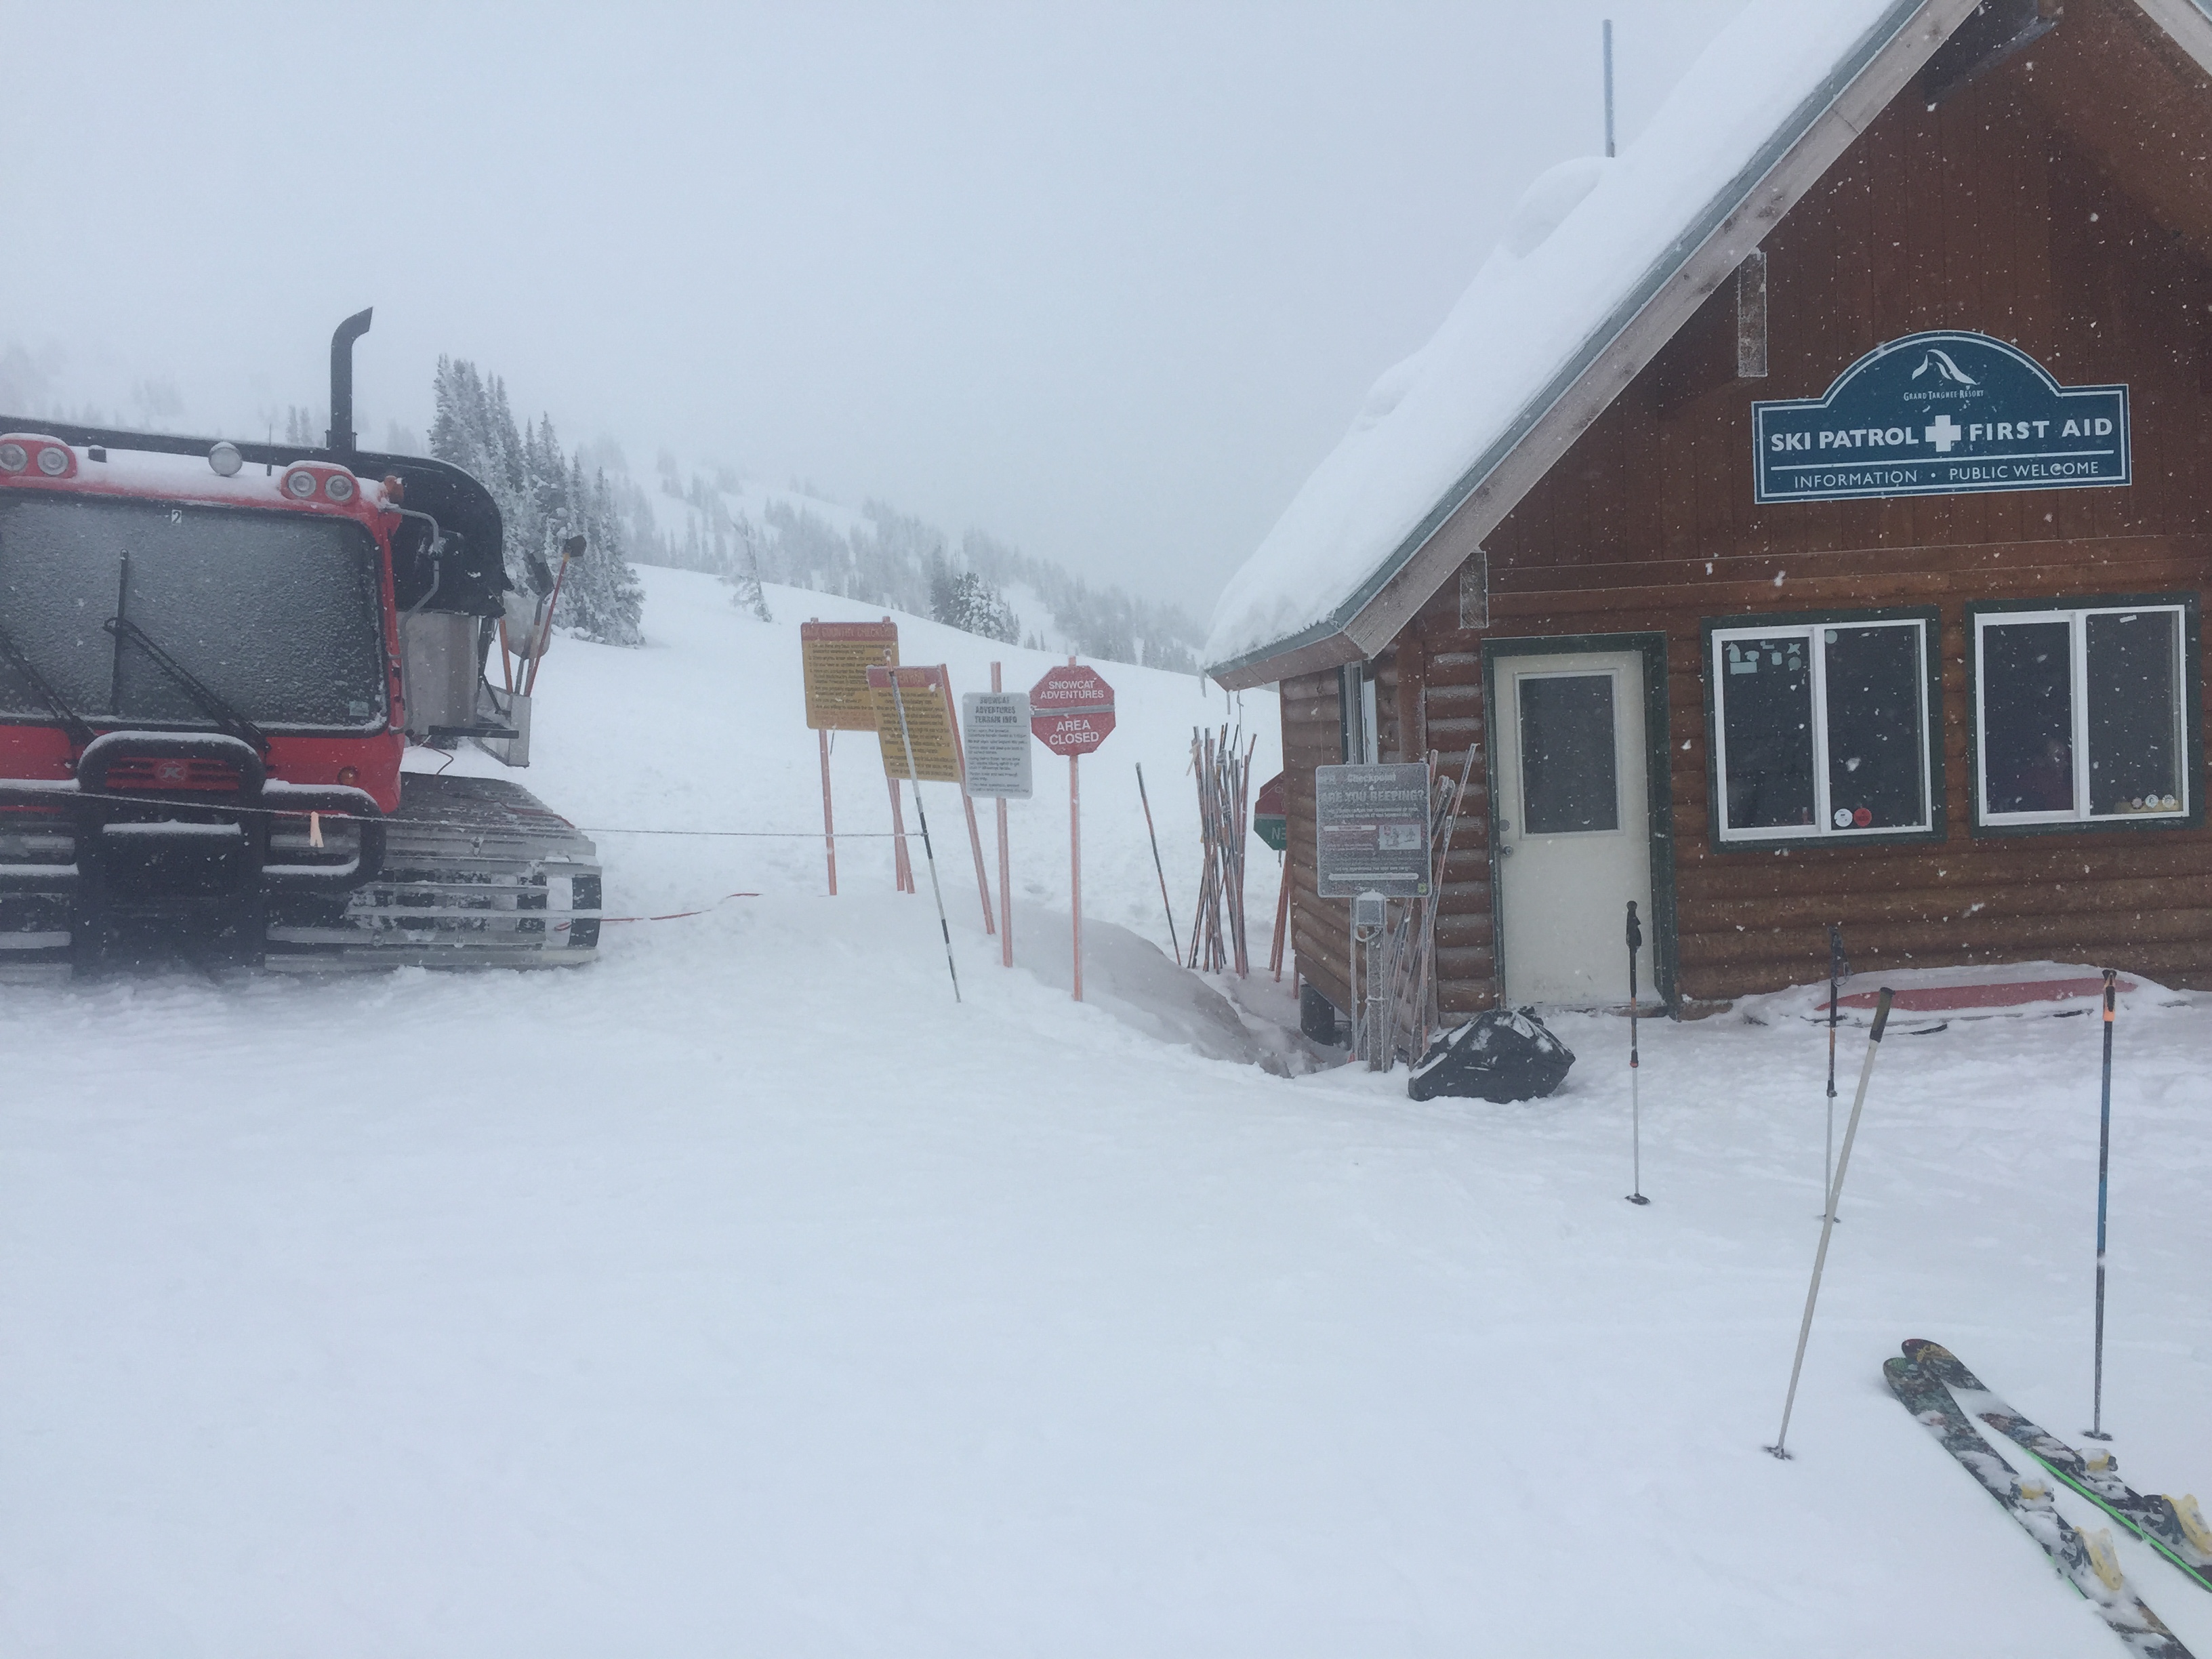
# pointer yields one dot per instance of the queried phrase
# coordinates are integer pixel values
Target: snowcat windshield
(277, 612)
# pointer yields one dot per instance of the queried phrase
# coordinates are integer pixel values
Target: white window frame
(2078, 688)
(1817, 659)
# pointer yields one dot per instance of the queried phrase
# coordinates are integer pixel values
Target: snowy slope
(705, 729)
(741, 1294)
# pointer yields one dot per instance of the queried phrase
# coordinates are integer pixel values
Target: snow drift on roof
(1585, 235)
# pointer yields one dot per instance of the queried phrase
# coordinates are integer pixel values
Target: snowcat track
(38, 886)
(478, 873)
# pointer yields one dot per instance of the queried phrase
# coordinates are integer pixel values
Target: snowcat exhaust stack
(339, 439)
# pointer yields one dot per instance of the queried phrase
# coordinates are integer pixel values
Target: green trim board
(1932, 693)
(1658, 789)
(2193, 696)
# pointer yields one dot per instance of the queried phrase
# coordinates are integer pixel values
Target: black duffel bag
(1499, 1056)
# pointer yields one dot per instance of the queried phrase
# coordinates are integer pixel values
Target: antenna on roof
(1608, 85)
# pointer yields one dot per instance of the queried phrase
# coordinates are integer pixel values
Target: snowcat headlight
(300, 486)
(52, 461)
(14, 458)
(225, 459)
(338, 487)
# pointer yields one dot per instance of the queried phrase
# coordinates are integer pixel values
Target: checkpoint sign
(1071, 710)
(1371, 824)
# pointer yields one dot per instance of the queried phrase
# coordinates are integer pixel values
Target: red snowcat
(213, 656)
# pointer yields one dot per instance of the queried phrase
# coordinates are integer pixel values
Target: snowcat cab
(212, 657)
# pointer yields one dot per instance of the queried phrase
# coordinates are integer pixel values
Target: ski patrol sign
(1940, 414)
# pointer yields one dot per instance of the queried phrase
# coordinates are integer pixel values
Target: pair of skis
(1945, 1397)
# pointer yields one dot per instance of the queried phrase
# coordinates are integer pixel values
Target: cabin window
(2082, 714)
(1821, 728)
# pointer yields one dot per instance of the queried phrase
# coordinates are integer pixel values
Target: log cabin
(1803, 518)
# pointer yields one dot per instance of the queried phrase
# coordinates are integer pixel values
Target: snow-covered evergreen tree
(744, 574)
(964, 600)
(544, 499)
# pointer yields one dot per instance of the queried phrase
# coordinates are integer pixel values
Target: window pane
(1766, 719)
(278, 613)
(1568, 782)
(2027, 717)
(59, 576)
(2135, 708)
(1876, 777)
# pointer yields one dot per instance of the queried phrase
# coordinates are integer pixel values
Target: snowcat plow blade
(478, 873)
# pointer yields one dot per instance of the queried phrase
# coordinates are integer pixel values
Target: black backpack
(1499, 1056)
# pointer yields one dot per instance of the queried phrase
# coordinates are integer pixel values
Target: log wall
(2029, 207)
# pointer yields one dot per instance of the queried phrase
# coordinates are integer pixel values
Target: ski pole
(1835, 975)
(1157, 866)
(1635, 1107)
(2096, 1431)
(915, 777)
(1828, 1222)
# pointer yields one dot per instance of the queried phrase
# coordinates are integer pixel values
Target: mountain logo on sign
(1941, 363)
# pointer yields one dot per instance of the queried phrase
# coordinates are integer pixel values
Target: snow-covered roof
(1592, 244)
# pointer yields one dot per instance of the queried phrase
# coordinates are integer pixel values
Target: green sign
(1269, 819)
(1946, 413)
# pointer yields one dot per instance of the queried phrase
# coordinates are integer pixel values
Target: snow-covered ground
(742, 1294)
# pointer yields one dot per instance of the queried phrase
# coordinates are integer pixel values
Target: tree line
(545, 496)
(883, 556)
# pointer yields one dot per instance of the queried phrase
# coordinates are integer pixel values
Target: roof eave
(1880, 67)
(2188, 22)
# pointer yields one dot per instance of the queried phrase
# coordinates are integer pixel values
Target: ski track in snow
(742, 1294)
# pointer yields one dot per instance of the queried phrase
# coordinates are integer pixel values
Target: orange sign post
(929, 715)
(835, 659)
(1071, 712)
(921, 741)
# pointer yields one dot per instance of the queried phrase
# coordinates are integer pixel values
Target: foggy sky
(1106, 281)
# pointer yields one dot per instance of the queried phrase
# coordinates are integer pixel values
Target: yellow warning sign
(927, 695)
(836, 657)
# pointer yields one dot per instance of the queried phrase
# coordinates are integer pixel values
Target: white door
(1572, 827)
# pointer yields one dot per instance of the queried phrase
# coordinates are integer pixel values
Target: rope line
(60, 797)
(768, 835)
(678, 916)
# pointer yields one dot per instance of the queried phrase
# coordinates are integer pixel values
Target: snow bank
(1581, 242)
(1984, 991)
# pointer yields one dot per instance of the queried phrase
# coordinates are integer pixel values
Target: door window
(1570, 762)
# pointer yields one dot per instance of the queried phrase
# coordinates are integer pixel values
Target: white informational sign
(995, 731)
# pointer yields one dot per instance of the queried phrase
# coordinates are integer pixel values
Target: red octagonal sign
(1071, 710)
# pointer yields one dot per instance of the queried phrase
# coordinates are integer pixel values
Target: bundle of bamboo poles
(1224, 781)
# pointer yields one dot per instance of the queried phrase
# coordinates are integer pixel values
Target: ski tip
(1940, 1363)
